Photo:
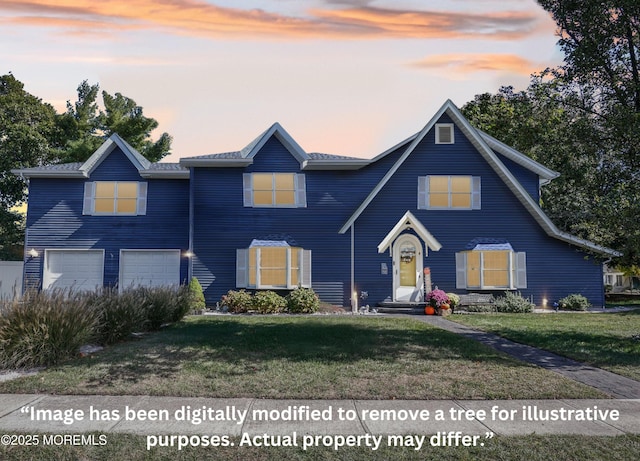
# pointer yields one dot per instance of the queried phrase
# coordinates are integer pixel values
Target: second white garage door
(149, 268)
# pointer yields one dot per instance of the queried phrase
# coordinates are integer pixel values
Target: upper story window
(283, 190)
(438, 192)
(444, 133)
(112, 198)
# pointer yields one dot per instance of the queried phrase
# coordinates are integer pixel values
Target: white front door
(408, 282)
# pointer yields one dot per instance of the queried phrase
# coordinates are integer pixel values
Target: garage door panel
(154, 268)
(73, 269)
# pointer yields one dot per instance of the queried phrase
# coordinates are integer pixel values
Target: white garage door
(150, 268)
(75, 269)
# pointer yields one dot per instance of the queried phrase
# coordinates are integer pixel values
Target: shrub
(196, 296)
(513, 303)
(45, 328)
(303, 301)
(237, 301)
(268, 302)
(574, 302)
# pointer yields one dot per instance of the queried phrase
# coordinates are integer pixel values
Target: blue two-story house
(450, 201)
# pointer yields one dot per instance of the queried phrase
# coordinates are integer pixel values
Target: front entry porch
(408, 243)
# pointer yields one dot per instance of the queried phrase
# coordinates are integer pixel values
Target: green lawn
(606, 340)
(315, 357)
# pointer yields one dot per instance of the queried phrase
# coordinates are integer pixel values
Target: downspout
(354, 298)
(191, 219)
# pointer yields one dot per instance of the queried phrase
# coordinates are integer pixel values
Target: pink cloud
(469, 62)
(197, 17)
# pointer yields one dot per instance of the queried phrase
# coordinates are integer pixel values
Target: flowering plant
(437, 297)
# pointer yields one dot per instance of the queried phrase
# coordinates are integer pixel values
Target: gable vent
(444, 133)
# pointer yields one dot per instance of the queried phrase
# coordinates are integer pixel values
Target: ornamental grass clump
(120, 314)
(45, 328)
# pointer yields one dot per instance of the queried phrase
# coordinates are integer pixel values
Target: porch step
(391, 307)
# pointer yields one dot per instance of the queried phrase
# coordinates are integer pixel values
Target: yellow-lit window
(275, 190)
(488, 269)
(274, 267)
(450, 192)
(113, 197)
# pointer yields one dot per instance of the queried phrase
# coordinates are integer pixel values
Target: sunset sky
(348, 77)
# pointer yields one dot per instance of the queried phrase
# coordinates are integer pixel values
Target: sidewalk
(615, 385)
(145, 415)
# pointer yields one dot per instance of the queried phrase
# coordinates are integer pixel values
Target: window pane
(439, 200)
(438, 184)
(461, 184)
(262, 181)
(252, 266)
(263, 197)
(496, 259)
(273, 266)
(295, 266)
(127, 190)
(473, 269)
(460, 200)
(105, 189)
(496, 265)
(284, 181)
(104, 205)
(285, 197)
(127, 205)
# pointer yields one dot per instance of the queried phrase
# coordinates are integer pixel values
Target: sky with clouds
(348, 77)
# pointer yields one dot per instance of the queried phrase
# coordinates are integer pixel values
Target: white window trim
(88, 207)
(243, 270)
(517, 271)
(452, 132)
(300, 191)
(423, 193)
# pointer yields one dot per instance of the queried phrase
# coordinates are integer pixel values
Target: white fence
(10, 278)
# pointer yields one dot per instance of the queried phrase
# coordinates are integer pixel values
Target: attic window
(444, 133)
(281, 190)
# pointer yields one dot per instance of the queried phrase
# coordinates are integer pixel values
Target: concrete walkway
(184, 416)
(613, 384)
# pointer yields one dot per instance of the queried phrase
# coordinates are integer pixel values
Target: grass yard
(532, 448)
(315, 357)
(606, 340)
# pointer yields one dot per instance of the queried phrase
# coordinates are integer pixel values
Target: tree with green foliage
(33, 134)
(583, 120)
(85, 126)
(28, 138)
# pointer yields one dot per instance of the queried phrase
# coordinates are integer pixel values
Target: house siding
(222, 224)
(554, 268)
(55, 219)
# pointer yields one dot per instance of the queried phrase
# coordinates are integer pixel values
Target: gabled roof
(409, 221)
(492, 159)
(244, 157)
(84, 170)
